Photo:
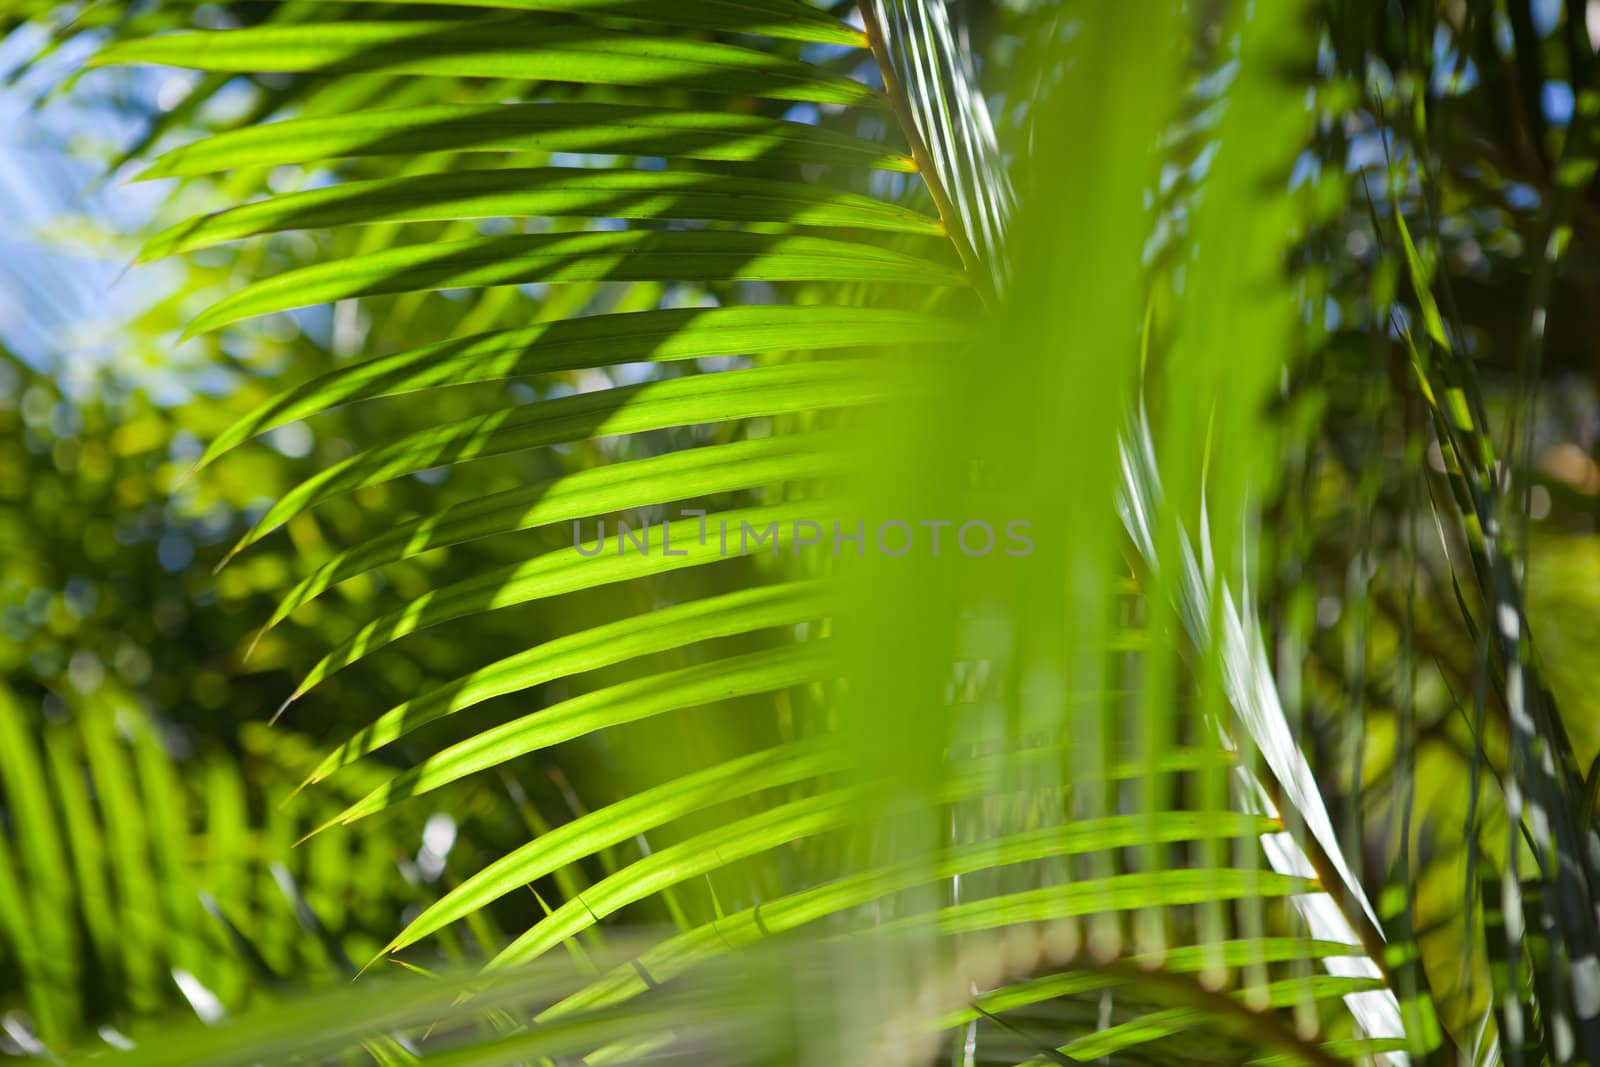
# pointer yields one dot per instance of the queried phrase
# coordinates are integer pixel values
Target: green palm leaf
(545, 192)
(720, 136)
(1053, 849)
(593, 341)
(785, 19)
(740, 612)
(581, 257)
(494, 48)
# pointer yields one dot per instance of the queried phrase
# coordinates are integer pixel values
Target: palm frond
(891, 763)
(134, 883)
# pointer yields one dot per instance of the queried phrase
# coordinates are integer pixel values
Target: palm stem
(895, 92)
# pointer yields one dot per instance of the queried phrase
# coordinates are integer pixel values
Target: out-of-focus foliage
(1297, 290)
(134, 880)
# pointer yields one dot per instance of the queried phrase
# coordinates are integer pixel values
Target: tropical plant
(826, 400)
